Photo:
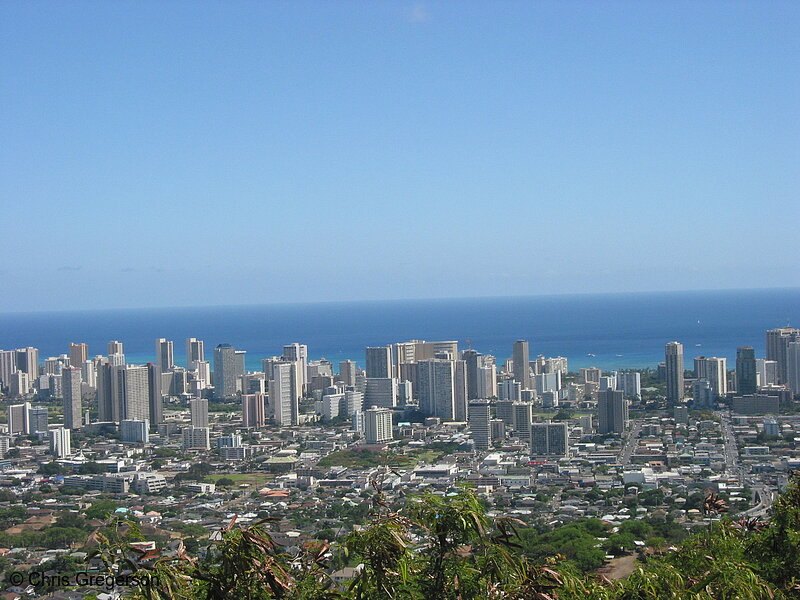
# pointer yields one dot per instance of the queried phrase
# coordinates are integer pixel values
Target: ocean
(606, 330)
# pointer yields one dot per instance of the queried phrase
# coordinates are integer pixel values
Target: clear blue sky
(192, 153)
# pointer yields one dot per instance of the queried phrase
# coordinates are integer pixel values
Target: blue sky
(181, 153)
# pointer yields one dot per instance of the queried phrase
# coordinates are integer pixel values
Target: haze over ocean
(621, 330)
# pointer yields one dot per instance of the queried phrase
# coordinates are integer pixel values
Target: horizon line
(395, 300)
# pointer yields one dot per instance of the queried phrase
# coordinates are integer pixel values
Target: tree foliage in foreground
(448, 548)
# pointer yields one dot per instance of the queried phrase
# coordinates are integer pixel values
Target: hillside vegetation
(435, 547)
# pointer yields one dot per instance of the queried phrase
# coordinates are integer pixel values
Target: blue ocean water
(620, 330)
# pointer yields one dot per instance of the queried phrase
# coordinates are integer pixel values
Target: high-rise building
(195, 353)
(523, 417)
(155, 394)
(131, 392)
(379, 362)
(377, 425)
(522, 368)
(630, 384)
(487, 381)
(298, 353)
(381, 392)
(283, 401)
(714, 370)
(768, 371)
(18, 415)
(165, 355)
(460, 390)
(115, 347)
(28, 362)
(78, 354)
(746, 371)
(590, 375)
(347, 372)
(793, 366)
(253, 411)
(702, 394)
(549, 439)
(8, 364)
(19, 384)
(777, 345)
(436, 388)
(612, 412)
(673, 354)
(60, 442)
(135, 431)
(198, 408)
(71, 380)
(405, 393)
(510, 390)
(37, 420)
(196, 438)
(479, 418)
(228, 368)
(472, 362)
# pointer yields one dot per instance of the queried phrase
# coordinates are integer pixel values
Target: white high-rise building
(283, 400)
(673, 355)
(71, 387)
(378, 425)
(298, 353)
(487, 381)
(8, 364)
(793, 366)
(131, 392)
(228, 369)
(60, 442)
(630, 384)
(347, 372)
(714, 370)
(479, 418)
(165, 355)
(28, 362)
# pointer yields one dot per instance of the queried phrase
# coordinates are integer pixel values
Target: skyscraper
(746, 371)
(347, 372)
(283, 400)
(18, 418)
(436, 388)
(381, 392)
(198, 408)
(479, 417)
(673, 353)
(195, 353)
(78, 354)
(28, 362)
(155, 394)
(228, 369)
(379, 362)
(71, 385)
(131, 393)
(715, 371)
(253, 411)
(793, 366)
(522, 369)
(298, 353)
(777, 345)
(472, 362)
(165, 357)
(612, 412)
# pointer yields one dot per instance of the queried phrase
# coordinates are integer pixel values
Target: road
(630, 443)
(733, 467)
